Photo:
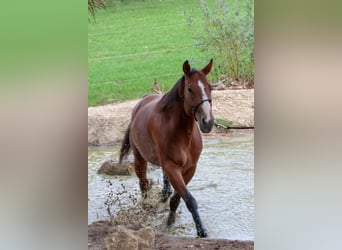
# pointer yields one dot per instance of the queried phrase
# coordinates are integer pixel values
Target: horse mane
(172, 96)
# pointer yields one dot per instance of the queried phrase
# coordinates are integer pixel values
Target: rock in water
(111, 167)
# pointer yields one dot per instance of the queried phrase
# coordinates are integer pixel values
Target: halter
(195, 107)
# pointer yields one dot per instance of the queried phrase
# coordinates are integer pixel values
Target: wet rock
(111, 167)
(124, 238)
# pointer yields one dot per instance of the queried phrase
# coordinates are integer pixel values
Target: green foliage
(229, 37)
(134, 42)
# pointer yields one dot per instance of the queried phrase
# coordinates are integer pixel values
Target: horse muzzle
(204, 116)
(206, 126)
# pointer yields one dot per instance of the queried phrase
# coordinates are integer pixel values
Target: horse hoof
(202, 234)
(144, 195)
(164, 199)
(171, 219)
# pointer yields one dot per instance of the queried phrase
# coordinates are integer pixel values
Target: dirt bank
(107, 124)
(97, 233)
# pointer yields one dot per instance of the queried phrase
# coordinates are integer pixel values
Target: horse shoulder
(195, 146)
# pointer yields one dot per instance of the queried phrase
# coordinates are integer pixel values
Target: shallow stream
(223, 186)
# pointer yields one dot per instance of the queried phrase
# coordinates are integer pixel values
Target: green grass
(133, 43)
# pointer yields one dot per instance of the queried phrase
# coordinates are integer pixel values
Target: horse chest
(182, 154)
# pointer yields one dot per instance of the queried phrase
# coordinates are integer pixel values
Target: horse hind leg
(167, 190)
(140, 167)
(174, 202)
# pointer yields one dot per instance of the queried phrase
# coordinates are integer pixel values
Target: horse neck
(185, 122)
(182, 121)
(172, 105)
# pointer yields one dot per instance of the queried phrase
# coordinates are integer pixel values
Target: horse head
(197, 95)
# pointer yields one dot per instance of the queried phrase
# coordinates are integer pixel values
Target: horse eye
(190, 90)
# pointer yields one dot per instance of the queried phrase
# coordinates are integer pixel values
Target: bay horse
(163, 131)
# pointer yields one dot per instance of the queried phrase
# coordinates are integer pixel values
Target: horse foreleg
(166, 191)
(191, 204)
(179, 182)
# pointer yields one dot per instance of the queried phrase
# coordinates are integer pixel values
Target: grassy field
(133, 43)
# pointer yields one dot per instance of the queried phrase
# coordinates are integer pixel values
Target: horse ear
(206, 70)
(186, 68)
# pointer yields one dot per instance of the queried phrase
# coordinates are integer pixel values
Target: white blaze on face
(205, 107)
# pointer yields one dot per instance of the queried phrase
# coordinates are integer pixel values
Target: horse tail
(125, 146)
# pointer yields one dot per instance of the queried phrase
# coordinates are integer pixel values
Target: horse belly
(147, 149)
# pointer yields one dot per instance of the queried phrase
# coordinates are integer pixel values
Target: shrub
(95, 4)
(229, 37)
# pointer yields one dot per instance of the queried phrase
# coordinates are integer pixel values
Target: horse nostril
(203, 121)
